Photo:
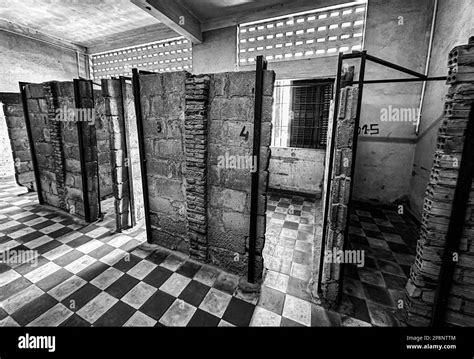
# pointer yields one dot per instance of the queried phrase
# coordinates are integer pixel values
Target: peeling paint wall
(297, 169)
(397, 32)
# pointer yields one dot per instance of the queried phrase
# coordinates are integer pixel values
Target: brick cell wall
(57, 147)
(196, 143)
(197, 207)
(70, 147)
(53, 101)
(231, 108)
(90, 144)
(103, 146)
(38, 114)
(20, 147)
(163, 108)
(340, 190)
(424, 278)
(112, 93)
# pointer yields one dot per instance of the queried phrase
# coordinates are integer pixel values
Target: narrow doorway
(300, 123)
(7, 163)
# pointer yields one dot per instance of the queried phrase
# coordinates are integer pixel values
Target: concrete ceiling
(207, 10)
(102, 25)
(83, 22)
(218, 11)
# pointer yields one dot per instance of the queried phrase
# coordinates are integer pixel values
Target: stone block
(16, 122)
(168, 188)
(241, 84)
(113, 106)
(72, 165)
(169, 149)
(239, 109)
(228, 261)
(229, 199)
(267, 109)
(66, 89)
(234, 221)
(344, 134)
(174, 81)
(268, 82)
(34, 91)
(170, 241)
(74, 194)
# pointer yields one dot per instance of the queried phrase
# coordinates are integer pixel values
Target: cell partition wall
(59, 119)
(206, 169)
(18, 135)
(124, 160)
(439, 288)
(103, 145)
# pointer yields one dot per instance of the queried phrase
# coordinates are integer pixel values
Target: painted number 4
(244, 134)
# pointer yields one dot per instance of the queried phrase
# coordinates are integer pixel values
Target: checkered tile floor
(288, 260)
(374, 293)
(90, 276)
(288, 255)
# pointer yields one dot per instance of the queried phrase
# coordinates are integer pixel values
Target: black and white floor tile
(88, 275)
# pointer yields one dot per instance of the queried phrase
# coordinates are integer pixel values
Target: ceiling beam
(175, 16)
(39, 36)
(143, 35)
(279, 9)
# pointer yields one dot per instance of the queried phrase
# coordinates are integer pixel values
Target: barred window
(311, 34)
(301, 113)
(162, 56)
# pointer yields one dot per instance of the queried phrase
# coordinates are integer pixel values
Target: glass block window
(316, 33)
(168, 55)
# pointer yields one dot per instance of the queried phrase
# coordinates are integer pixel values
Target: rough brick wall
(196, 143)
(71, 156)
(340, 190)
(425, 273)
(231, 108)
(20, 147)
(198, 206)
(163, 107)
(57, 147)
(89, 139)
(51, 95)
(38, 114)
(103, 146)
(111, 91)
